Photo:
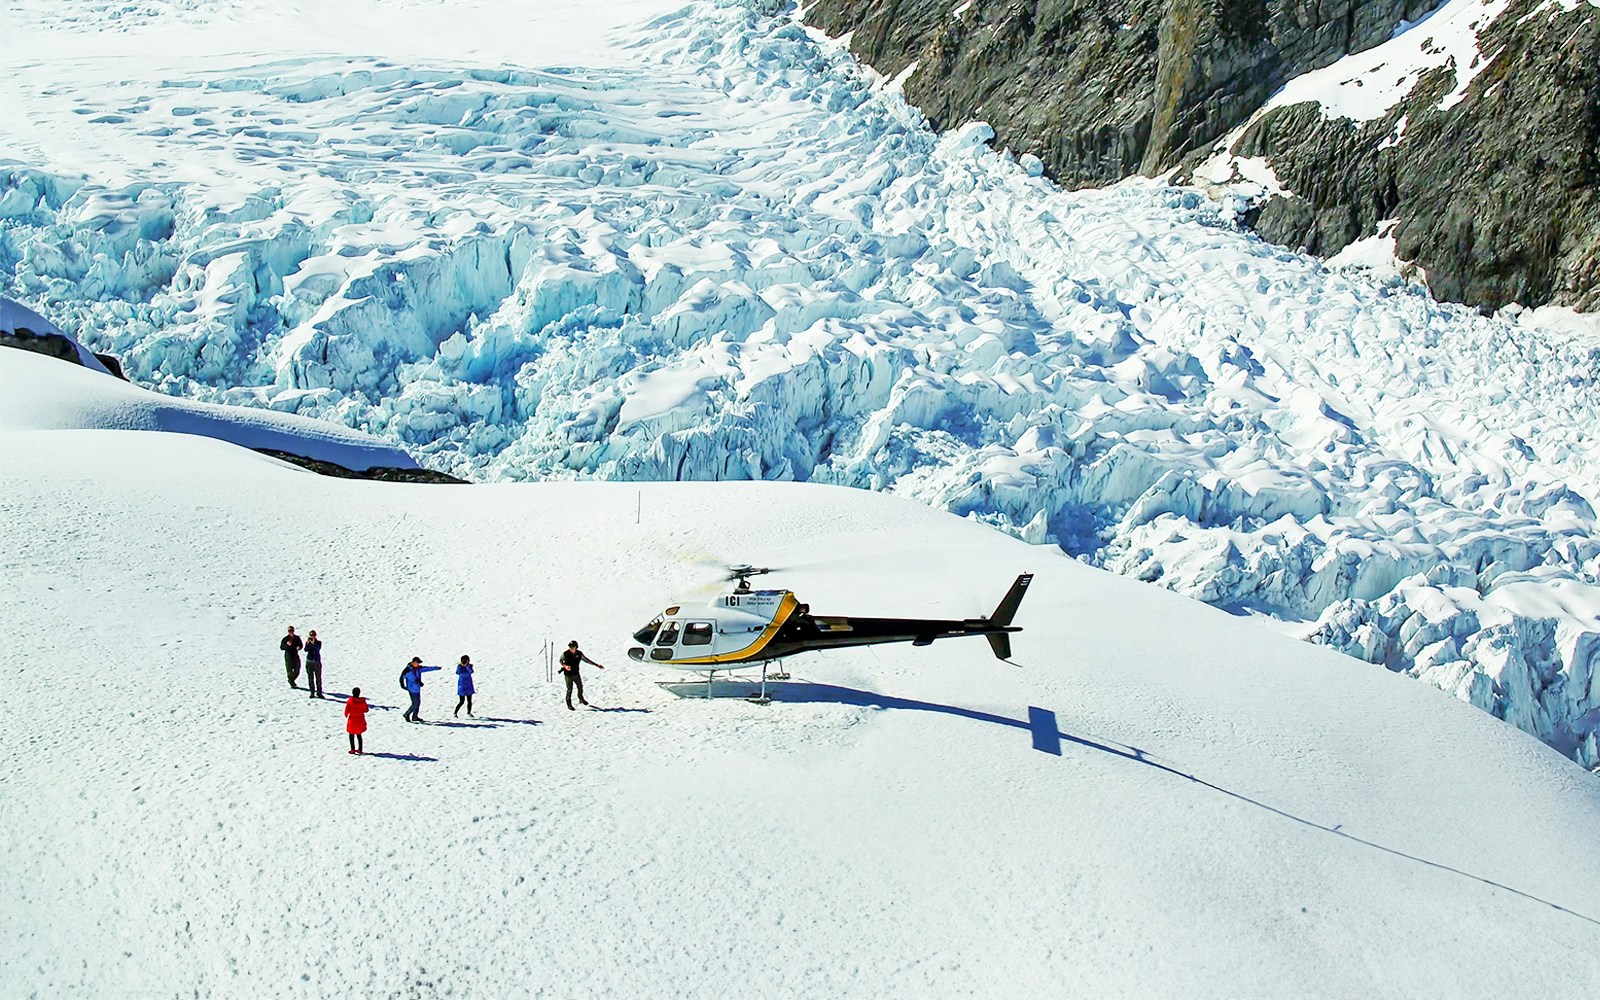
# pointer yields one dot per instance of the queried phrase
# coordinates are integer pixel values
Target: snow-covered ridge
(731, 258)
(39, 393)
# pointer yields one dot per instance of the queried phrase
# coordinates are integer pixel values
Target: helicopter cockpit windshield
(647, 634)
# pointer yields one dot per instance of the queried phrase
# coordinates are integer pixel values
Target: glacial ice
(738, 256)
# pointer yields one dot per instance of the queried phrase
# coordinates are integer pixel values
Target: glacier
(730, 252)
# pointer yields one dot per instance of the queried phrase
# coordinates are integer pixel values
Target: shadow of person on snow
(340, 697)
(453, 724)
(617, 708)
(402, 756)
(1048, 738)
(509, 722)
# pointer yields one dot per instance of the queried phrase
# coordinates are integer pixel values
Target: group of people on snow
(411, 681)
(291, 646)
(356, 707)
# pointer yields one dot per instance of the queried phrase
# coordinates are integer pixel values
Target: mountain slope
(1464, 132)
(717, 249)
(1162, 799)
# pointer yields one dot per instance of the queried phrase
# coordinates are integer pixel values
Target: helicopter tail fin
(1001, 644)
(1008, 605)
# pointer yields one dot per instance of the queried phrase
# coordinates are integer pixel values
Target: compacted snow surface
(1156, 799)
(638, 242)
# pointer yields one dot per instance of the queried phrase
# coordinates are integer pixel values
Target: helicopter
(748, 626)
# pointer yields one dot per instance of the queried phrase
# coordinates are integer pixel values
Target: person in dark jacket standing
(464, 686)
(355, 719)
(570, 660)
(314, 664)
(411, 680)
(291, 645)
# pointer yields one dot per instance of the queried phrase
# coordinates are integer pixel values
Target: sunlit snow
(1155, 799)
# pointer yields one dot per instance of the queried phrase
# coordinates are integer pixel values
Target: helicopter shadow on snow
(1049, 738)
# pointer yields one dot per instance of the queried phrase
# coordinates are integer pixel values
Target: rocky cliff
(1462, 137)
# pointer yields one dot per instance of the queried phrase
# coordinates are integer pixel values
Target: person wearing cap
(411, 680)
(570, 661)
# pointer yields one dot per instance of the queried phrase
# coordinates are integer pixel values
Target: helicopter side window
(669, 635)
(698, 634)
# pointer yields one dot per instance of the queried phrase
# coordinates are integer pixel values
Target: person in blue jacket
(411, 680)
(464, 688)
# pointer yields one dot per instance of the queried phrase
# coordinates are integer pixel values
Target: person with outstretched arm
(570, 661)
(411, 680)
(314, 664)
(291, 646)
(464, 687)
(355, 719)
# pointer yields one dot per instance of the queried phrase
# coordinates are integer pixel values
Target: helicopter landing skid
(763, 698)
(760, 698)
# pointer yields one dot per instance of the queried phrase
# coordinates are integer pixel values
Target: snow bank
(722, 253)
(43, 393)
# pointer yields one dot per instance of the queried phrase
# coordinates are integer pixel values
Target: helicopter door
(697, 638)
(666, 639)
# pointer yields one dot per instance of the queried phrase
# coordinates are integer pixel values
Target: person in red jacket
(355, 714)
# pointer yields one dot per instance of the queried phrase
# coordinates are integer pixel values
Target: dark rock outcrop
(380, 473)
(51, 345)
(1497, 196)
(55, 345)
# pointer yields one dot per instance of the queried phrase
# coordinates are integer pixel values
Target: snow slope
(716, 249)
(1161, 799)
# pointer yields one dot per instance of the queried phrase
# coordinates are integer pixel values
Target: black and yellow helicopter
(746, 627)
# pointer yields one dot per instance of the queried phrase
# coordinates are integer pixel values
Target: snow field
(900, 820)
(720, 251)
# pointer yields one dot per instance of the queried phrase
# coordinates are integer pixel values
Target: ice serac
(744, 257)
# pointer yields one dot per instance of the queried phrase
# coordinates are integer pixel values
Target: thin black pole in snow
(638, 513)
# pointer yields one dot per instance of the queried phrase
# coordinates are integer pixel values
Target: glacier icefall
(740, 256)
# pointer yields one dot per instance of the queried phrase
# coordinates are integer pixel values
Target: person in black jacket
(570, 660)
(291, 646)
(314, 664)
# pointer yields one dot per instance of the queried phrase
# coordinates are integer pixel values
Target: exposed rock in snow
(25, 329)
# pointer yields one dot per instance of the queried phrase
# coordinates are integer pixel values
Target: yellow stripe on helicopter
(786, 608)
